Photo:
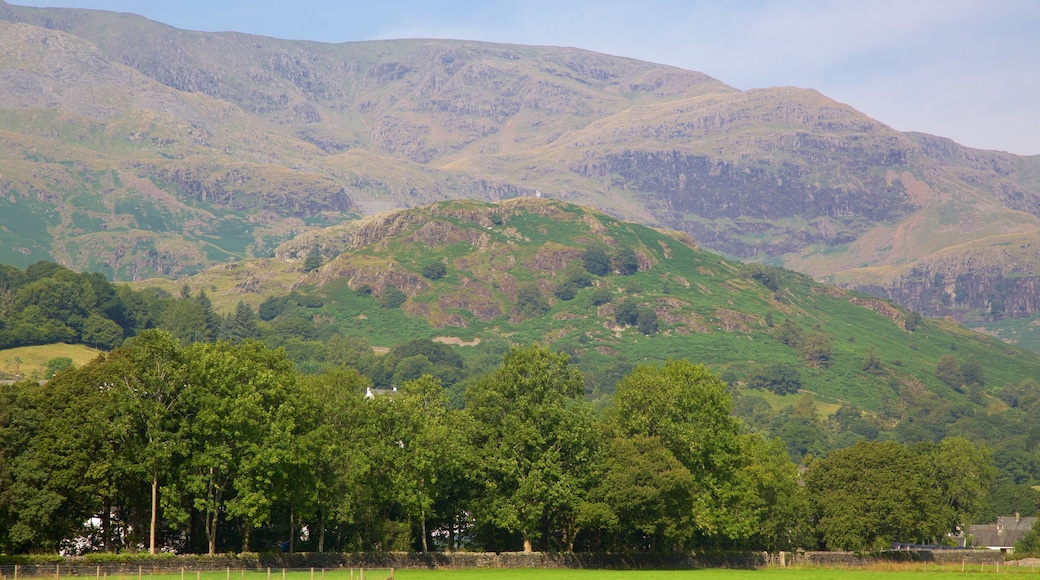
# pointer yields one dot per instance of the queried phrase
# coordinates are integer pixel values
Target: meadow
(888, 571)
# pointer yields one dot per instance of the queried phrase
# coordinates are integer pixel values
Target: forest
(224, 447)
(260, 430)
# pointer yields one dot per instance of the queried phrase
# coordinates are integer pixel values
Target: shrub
(596, 262)
(601, 296)
(434, 270)
(779, 378)
(392, 297)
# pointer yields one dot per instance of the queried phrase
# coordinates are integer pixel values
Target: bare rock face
(221, 146)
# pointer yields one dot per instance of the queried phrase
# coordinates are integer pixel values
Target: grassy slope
(710, 310)
(27, 360)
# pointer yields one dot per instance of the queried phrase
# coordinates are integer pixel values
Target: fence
(111, 571)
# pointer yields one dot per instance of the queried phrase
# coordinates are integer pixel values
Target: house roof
(1003, 534)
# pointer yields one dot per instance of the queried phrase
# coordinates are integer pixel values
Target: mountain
(138, 149)
(524, 270)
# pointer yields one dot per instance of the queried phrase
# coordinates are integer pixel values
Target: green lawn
(894, 571)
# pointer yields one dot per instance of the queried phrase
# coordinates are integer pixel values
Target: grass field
(26, 360)
(894, 571)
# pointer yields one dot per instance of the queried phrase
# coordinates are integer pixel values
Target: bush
(627, 312)
(778, 378)
(392, 297)
(313, 260)
(626, 262)
(434, 271)
(596, 262)
(601, 296)
(646, 320)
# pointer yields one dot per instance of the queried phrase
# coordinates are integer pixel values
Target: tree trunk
(106, 527)
(527, 545)
(247, 528)
(292, 529)
(321, 533)
(422, 515)
(155, 509)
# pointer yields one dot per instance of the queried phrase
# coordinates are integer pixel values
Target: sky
(964, 69)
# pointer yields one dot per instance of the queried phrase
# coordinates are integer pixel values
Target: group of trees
(47, 303)
(224, 446)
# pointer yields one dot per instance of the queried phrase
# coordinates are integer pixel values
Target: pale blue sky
(964, 69)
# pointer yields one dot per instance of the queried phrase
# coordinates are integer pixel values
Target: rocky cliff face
(216, 147)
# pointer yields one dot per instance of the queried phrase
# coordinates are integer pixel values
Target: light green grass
(25, 360)
(892, 571)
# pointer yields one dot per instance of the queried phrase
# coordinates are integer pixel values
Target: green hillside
(140, 150)
(506, 266)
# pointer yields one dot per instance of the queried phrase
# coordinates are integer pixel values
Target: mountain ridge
(249, 141)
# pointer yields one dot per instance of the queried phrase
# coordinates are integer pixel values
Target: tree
(646, 320)
(240, 325)
(789, 333)
(596, 261)
(537, 442)
(101, 332)
(872, 494)
(627, 313)
(687, 408)
(816, 349)
(913, 320)
(150, 372)
(648, 493)
(972, 373)
(872, 365)
(422, 435)
(949, 372)
(779, 378)
(626, 262)
(392, 297)
(336, 448)
(243, 427)
(964, 474)
(601, 295)
(434, 270)
(313, 260)
(529, 301)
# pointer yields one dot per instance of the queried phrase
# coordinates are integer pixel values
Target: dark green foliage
(768, 276)
(972, 373)
(313, 261)
(434, 270)
(769, 319)
(948, 370)
(272, 307)
(872, 365)
(601, 295)
(646, 320)
(625, 261)
(529, 301)
(101, 332)
(240, 325)
(57, 365)
(789, 333)
(779, 378)
(364, 290)
(815, 348)
(392, 297)
(572, 283)
(437, 353)
(913, 320)
(596, 261)
(49, 303)
(627, 312)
